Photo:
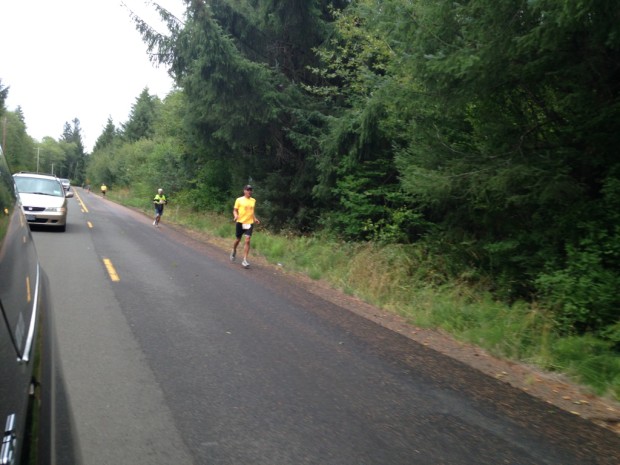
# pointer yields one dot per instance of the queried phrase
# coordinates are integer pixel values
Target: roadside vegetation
(455, 162)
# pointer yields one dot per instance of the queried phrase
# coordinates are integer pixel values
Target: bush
(591, 360)
(584, 295)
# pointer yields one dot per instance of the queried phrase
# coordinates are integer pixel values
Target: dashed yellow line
(84, 209)
(111, 270)
(106, 261)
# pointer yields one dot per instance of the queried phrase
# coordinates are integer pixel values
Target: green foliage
(584, 290)
(462, 156)
(584, 294)
(241, 65)
(170, 117)
(209, 187)
(74, 162)
(592, 361)
(19, 147)
(355, 58)
(51, 154)
(4, 93)
(146, 165)
(99, 167)
(141, 118)
(483, 131)
(373, 208)
(496, 131)
(107, 137)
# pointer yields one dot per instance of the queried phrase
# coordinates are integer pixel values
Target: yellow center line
(90, 225)
(111, 271)
(84, 209)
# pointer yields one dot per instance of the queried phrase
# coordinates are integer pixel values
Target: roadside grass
(411, 282)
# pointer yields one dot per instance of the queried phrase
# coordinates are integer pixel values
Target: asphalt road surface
(174, 355)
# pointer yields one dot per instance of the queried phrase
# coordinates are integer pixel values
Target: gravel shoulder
(553, 388)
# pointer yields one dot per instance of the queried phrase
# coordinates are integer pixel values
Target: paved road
(189, 359)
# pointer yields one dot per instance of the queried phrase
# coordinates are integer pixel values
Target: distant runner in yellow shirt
(159, 201)
(243, 214)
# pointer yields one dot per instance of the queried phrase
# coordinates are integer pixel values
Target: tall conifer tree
(107, 136)
(142, 117)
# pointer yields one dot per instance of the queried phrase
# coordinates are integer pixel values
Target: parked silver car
(43, 198)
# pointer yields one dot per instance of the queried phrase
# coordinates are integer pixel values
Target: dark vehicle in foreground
(44, 199)
(32, 399)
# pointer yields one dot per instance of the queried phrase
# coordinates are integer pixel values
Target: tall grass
(411, 282)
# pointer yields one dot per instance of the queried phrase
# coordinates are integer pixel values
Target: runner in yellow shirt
(159, 201)
(244, 217)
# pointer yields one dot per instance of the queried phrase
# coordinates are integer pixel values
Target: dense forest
(482, 131)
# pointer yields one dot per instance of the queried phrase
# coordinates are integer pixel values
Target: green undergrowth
(410, 282)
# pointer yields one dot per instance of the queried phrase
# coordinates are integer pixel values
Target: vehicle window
(28, 185)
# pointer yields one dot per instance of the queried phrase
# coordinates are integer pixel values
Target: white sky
(66, 59)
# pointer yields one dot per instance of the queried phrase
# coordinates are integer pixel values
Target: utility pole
(38, 150)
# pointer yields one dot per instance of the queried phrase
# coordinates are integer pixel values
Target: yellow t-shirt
(245, 207)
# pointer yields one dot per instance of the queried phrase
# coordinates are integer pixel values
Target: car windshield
(41, 186)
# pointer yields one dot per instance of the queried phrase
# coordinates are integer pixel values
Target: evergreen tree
(142, 117)
(242, 65)
(75, 161)
(506, 112)
(67, 132)
(19, 147)
(107, 136)
(358, 174)
(491, 124)
(4, 93)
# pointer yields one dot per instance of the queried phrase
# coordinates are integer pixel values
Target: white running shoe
(233, 254)
(245, 263)
(155, 223)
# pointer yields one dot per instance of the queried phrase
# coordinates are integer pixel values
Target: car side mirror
(69, 194)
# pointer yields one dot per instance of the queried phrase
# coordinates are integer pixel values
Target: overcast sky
(66, 59)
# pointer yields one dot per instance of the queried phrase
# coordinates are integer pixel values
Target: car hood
(38, 200)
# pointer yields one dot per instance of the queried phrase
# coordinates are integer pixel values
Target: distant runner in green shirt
(159, 201)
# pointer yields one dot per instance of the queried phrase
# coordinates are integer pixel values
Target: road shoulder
(553, 388)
